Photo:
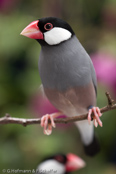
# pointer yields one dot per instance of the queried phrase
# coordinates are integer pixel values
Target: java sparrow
(68, 77)
(60, 164)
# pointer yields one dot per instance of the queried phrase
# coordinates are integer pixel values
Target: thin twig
(110, 100)
(7, 119)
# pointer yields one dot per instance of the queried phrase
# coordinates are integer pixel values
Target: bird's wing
(93, 74)
(41, 90)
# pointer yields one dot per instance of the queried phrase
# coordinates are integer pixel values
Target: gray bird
(68, 77)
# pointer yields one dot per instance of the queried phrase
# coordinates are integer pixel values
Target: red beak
(32, 31)
(74, 163)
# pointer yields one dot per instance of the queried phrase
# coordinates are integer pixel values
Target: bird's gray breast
(64, 66)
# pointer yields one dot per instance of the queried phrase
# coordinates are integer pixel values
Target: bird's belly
(73, 101)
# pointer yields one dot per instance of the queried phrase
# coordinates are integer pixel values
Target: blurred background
(94, 23)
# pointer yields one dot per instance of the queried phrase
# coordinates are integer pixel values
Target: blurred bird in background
(60, 164)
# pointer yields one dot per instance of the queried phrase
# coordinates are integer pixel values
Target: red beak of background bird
(32, 31)
(74, 163)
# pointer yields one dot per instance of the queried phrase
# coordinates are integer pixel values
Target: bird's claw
(96, 118)
(45, 122)
(46, 125)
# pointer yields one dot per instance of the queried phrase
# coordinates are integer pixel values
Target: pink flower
(105, 66)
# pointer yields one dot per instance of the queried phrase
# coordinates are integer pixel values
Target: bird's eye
(59, 159)
(48, 26)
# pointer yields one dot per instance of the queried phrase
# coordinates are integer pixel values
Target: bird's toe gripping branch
(45, 122)
(96, 117)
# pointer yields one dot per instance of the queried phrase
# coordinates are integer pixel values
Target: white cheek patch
(51, 167)
(57, 35)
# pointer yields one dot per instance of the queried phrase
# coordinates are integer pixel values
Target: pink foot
(44, 122)
(96, 118)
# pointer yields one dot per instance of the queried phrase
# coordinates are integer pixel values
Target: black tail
(93, 148)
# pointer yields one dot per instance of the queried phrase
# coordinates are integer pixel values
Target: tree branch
(7, 119)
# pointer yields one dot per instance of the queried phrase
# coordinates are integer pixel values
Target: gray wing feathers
(93, 74)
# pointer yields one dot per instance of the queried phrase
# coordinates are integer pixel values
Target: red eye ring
(48, 26)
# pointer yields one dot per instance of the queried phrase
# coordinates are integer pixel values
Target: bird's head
(49, 30)
(61, 163)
